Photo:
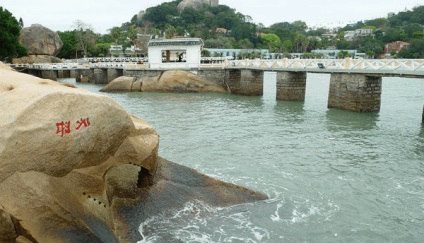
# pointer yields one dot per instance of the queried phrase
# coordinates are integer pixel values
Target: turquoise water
(331, 175)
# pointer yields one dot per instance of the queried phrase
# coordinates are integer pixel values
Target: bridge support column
(423, 116)
(49, 74)
(100, 76)
(245, 82)
(76, 74)
(82, 75)
(63, 73)
(113, 74)
(355, 92)
(291, 86)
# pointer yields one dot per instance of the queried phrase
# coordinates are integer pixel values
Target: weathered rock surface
(76, 167)
(168, 81)
(196, 4)
(31, 59)
(40, 40)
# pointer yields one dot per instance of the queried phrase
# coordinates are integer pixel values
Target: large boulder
(76, 167)
(40, 40)
(168, 81)
(196, 4)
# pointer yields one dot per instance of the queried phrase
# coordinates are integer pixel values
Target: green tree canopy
(272, 41)
(9, 37)
(69, 47)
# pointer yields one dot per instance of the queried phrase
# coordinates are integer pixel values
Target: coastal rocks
(40, 40)
(168, 81)
(196, 4)
(76, 167)
(65, 157)
(43, 45)
(31, 59)
(7, 227)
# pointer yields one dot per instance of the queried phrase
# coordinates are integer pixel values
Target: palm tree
(116, 32)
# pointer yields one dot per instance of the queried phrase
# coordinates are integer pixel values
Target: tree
(132, 35)
(170, 31)
(206, 53)
(116, 33)
(301, 43)
(245, 44)
(21, 22)
(69, 47)
(9, 37)
(272, 41)
(102, 49)
(287, 46)
(84, 36)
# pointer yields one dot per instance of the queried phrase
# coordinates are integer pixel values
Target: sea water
(331, 175)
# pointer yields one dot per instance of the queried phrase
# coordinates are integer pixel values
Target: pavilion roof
(176, 42)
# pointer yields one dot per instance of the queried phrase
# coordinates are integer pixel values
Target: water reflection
(291, 110)
(350, 121)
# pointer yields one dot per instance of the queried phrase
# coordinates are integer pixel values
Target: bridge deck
(373, 67)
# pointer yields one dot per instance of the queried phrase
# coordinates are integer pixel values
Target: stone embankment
(167, 81)
(76, 167)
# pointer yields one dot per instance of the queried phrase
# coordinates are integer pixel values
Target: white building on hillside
(175, 53)
(351, 35)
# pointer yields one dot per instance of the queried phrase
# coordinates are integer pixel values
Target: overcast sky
(102, 15)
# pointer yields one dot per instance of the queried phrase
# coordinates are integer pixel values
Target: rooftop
(176, 42)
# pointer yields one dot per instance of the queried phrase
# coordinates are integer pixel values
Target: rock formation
(43, 44)
(168, 81)
(196, 4)
(40, 40)
(76, 167)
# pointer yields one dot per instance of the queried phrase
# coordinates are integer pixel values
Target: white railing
(412, 65)
(378, 66)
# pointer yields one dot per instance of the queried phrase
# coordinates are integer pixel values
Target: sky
(102, 15)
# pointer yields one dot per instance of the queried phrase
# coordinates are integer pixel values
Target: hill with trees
(223, 27)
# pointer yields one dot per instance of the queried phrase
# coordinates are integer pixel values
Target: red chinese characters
(64, 127)
(82, 123)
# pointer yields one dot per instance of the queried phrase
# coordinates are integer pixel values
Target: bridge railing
(337, 64)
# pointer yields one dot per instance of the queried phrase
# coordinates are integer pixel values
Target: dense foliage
(201, 23)
(9, 37)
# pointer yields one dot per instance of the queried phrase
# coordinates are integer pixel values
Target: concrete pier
(291, 86)
(100, 76)
(245, 82)
(355, 92)
(49, 74)
(113, 74)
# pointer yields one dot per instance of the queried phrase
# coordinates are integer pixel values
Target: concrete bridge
(355, 84)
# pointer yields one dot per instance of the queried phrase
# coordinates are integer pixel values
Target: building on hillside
(329, 36)
(116, 51)
(364, 33)
(175, 53)
(222, 30)
(395, 47)
(351, 35)
(333, 54)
